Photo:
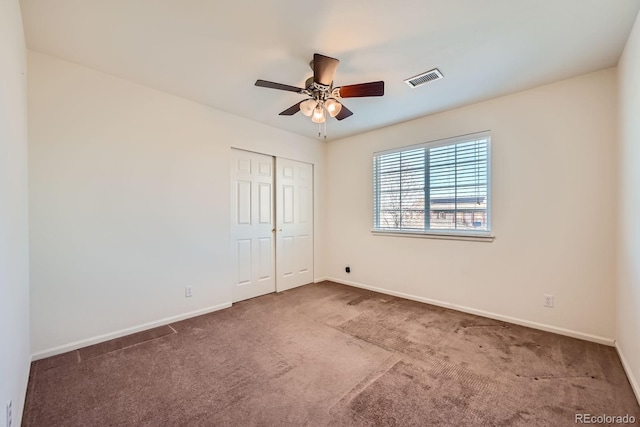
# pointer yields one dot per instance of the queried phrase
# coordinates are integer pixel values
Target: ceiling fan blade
(344, 113)
(280, 86)
(291, 110)
(362, 89)
(324, 69)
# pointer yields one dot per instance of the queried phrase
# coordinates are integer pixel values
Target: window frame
(470, 235)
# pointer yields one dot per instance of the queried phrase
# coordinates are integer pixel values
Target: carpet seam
(369, 379)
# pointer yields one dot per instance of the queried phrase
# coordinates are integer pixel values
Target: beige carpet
(329, 354)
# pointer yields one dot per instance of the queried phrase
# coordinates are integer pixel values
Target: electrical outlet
(548, 300)
(347, 269)
(188, 291)
(9, 414)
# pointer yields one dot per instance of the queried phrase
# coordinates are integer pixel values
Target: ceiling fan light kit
(307, 107)
(333, 107)
(323, 97)
(318, 114)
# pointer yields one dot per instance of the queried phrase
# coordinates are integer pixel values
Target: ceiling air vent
(424, 78)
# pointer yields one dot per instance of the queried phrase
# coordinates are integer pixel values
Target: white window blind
(437, 187)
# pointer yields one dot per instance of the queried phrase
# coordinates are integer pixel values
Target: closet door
(294, 219)
(252, 225)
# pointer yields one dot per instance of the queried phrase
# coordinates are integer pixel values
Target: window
(440, 187)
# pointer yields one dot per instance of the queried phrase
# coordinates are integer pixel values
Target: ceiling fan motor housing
(318, 91)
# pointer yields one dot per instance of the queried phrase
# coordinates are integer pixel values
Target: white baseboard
(122, 332)
(19, 407)
(319, 279)
(632, 379)
(508, 319)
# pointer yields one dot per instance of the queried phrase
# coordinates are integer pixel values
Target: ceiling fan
(323, 97)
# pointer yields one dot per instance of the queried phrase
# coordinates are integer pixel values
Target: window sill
(441, 236)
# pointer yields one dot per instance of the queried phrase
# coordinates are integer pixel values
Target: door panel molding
(271, 224)
(294, 219)
(252, 225)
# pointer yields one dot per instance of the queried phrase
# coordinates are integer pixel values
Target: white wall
(628, 289)
(14, 235)
(553, 206)
(130, 202)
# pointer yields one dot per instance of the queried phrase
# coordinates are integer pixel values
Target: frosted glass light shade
(318, 114)
(307, 107)
(333, 107)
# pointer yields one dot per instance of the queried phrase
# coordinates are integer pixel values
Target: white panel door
(252, 225)
(294, 219)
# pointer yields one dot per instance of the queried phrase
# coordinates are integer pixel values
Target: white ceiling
(212, 51)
